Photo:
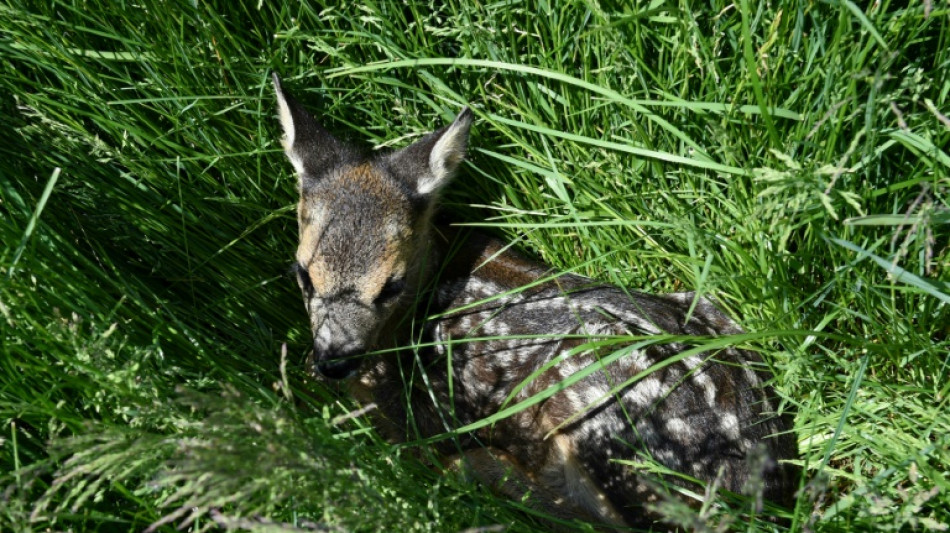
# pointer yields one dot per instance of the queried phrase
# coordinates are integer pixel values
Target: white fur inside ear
(287, 123)
(295, 161)
(445, 158)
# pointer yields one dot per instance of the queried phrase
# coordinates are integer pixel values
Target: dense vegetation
(789, 158)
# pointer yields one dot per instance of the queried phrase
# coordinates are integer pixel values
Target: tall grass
(789, 158)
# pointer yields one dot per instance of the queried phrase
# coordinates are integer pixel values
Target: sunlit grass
(788, 159)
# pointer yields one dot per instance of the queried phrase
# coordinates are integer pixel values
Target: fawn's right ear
(311, 149)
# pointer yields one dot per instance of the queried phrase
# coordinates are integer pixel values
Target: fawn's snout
(337, 365)
(343, 328)
(342, 322)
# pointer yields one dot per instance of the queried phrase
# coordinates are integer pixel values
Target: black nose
(337, 366)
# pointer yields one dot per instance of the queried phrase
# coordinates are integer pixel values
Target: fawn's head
(364, 228)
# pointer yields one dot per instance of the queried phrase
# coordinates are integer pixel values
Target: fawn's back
(495, 329)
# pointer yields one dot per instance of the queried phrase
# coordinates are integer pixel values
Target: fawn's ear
(310, 148)
(431, 162)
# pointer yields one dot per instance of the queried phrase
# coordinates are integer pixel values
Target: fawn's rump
(735, 445)
(707, 416)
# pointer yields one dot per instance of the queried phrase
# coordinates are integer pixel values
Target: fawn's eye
(303, 279)
(391, 290)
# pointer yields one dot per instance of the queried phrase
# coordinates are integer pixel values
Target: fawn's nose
(336, 365)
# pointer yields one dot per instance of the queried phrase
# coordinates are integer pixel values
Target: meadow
(788, 158)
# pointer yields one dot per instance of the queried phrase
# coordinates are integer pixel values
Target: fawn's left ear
(431, 162)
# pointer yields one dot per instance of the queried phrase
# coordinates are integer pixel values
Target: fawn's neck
(457, 263)
(460, 267)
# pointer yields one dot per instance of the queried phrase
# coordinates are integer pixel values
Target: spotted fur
(375, 273)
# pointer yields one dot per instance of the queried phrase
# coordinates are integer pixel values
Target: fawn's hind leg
(552, 491)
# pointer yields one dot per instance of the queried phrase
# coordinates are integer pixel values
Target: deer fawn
(371, 264)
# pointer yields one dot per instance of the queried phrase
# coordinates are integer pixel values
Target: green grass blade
(935, 288)
(31, 225)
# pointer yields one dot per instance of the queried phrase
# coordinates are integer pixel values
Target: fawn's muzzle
(336, 365)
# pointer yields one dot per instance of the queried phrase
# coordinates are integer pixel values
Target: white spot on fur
(756, 382)
(498, 328)
(316, 217)
(709, 388)
(636, 319)
(751, 375)
(324, 335)
(394, 227)
(668, 457)
(646, 392)
(478, 289)
(635, 362)
(682, 297)
(439, 338)
(692, 362)
(729, 424)
(678, 428)
(586, 394)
